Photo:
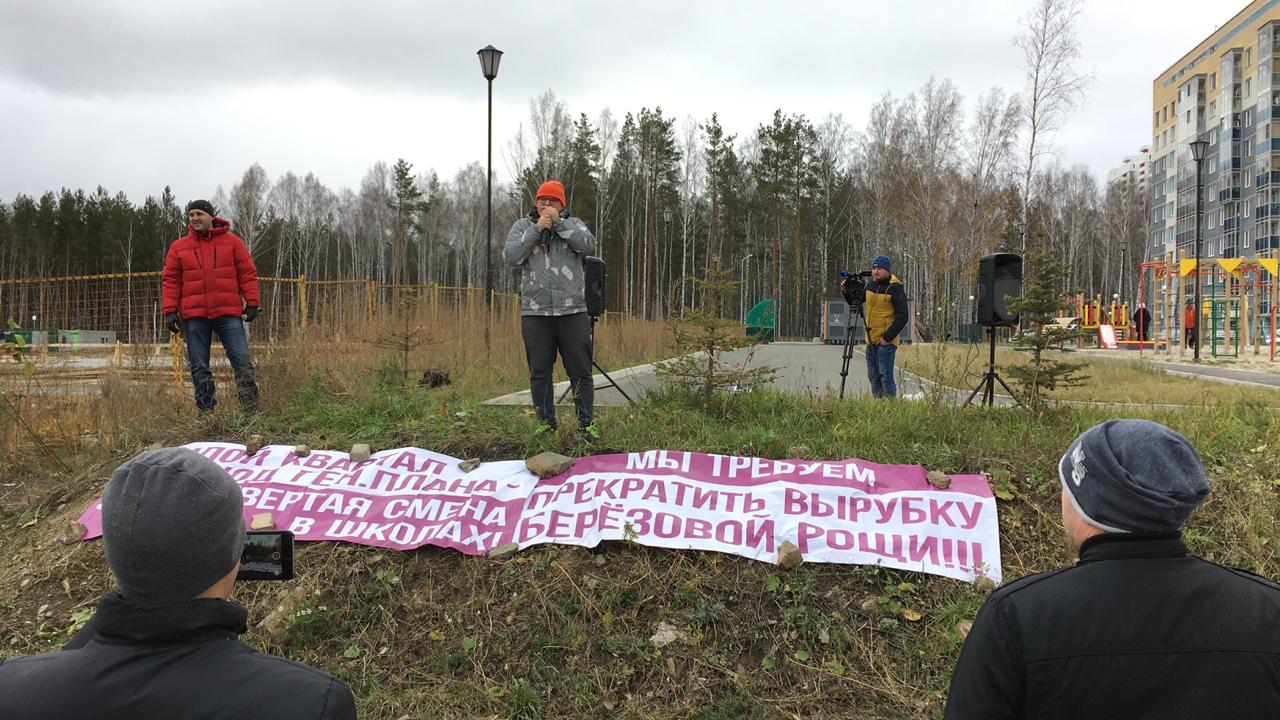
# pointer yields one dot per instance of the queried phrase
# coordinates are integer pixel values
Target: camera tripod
(855, 311)
(989, 379)
(611, 384)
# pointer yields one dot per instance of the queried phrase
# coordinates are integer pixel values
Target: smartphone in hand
(268, 555)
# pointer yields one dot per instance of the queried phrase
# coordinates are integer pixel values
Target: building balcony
(1264, 211)
(1269, 146)
(1231, 194)
(1266, 242)
(1267, 179)
(1231, 224)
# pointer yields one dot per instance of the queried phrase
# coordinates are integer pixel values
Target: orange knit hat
(551, 189)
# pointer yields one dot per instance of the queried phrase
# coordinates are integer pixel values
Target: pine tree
(702, 336)
(407, 202)
(1042, 298)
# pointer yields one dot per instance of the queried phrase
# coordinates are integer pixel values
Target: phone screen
(268, 555)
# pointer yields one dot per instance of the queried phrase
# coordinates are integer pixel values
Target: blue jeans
(230, 329)
(880, 370)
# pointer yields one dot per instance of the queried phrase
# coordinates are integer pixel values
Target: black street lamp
(1198, 150)
(489, 59)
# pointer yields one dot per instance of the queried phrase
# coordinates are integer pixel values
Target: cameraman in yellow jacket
(886, 316)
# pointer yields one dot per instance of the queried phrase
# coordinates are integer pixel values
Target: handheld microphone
(544, 237)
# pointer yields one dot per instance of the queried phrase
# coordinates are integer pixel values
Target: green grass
(562, 632)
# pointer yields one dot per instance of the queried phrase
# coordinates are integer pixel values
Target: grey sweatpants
(570, 335)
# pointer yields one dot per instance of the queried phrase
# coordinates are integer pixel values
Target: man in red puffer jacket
(211, 286)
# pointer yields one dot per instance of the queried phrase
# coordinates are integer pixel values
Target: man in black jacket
(164, 644)
(1142, 322)
(1139, 627)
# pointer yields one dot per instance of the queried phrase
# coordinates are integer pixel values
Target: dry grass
(1113, 381)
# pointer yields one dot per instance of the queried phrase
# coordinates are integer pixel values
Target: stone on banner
(256, 443)
(548, 464)
(360, 452)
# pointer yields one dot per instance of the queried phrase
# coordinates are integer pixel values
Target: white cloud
(134, 94)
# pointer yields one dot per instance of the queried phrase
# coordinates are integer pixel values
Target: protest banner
(842, 511)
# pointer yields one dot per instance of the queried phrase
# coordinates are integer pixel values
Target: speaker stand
(611, 384)
(989, 379)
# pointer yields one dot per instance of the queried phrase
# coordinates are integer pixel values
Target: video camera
(853, 286)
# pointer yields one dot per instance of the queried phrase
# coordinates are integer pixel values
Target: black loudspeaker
(593, 271)
(999, 279)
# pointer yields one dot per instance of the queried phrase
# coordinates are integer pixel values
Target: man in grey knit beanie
(165, 645)
(172, 524)
(1139, 627)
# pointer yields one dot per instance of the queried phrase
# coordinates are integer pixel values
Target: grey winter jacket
(551, 282)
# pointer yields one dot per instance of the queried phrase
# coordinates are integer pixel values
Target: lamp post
(489, 59)
(1198, 150)
(742, 295)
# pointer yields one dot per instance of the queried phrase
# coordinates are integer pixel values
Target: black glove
(173, 321)
(249, 313)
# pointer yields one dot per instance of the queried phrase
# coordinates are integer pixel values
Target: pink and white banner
(847, 511)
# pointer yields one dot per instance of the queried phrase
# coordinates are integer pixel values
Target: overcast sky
(138, 94)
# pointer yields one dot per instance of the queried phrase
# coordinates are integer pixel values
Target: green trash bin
(25, 335)
(762, 321)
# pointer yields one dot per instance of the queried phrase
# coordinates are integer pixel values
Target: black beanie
(204, 205)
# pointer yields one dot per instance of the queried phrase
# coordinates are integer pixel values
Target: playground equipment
(1238, 301)
(1110, 322)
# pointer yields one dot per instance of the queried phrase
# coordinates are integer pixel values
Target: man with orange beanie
(548, 246)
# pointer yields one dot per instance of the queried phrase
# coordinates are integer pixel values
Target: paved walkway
(810, 369)
(813, 369)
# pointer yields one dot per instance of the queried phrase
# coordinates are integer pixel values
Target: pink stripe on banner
(845, 511)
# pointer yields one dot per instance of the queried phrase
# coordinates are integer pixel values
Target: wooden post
(1080, 323)
(1254, 318)
(175, 354)
(1177, 304)
(371, 292)
(302, 302)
